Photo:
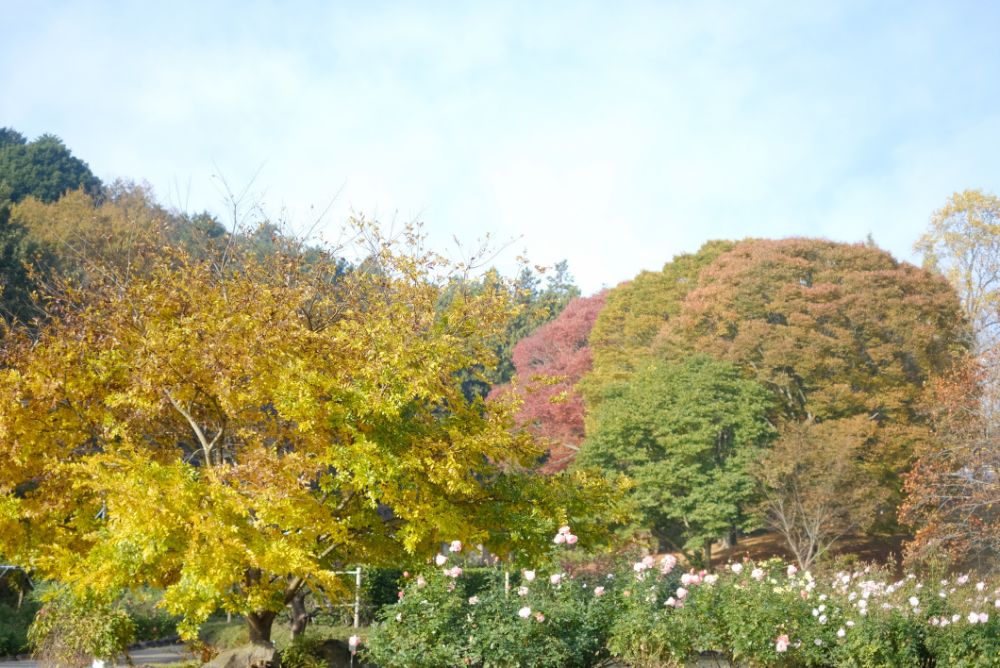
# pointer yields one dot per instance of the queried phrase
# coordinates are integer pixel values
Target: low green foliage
(379, 587)
(68, 631)
(654, 615)
(14, 624)
(555, 620)
(304, 652)
(768, 614)
(222, 635)
(151, 621)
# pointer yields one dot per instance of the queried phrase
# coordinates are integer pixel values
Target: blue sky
(613, 135)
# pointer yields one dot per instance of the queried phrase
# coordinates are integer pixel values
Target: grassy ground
(225, 635)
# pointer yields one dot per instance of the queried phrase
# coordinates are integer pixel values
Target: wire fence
(356, 604)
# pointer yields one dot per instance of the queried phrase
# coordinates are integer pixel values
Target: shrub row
(652, 614)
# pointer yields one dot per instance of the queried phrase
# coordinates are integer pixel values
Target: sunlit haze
(614, 135)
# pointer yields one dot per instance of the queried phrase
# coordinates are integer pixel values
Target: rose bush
(545, 618)
(654, 613)
(768, 614)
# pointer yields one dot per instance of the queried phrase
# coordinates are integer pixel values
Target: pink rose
(690, 579)
(667, 563)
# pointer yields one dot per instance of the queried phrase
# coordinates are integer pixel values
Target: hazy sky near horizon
(614, 135)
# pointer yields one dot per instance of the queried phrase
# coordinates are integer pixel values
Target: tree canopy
(635, 313)
(232, 431)
(841, 336)
(539, 303)
(952, 491)
(685, 433)
(834, 330)
(549, 363)
(44, 168)
(17, 253)
(963, 244)
(815, 486)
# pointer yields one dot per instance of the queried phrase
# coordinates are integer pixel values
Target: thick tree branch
(206, 445)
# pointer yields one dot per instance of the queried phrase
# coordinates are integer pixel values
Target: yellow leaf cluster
(231, 430)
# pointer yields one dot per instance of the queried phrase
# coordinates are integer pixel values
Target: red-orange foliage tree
(549, 364)
(953, 492)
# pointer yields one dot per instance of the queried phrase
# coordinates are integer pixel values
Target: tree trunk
(300, 618)
(663, 544)
(708, 556)
(259, 626)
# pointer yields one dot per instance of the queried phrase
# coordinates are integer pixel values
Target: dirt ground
(866, 549)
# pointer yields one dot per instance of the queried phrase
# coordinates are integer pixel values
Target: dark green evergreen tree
(16, 252)
(44, 168)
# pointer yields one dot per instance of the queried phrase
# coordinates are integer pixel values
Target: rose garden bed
(654, 613)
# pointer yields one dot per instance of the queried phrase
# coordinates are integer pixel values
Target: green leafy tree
(11, 137)
(686, 434)
(44, 168)
(535, 304)
(17, 252)
(538, 304)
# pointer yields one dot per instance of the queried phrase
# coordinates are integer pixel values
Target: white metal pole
(357, 597)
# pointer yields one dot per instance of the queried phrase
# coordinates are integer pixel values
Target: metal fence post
(357, 597)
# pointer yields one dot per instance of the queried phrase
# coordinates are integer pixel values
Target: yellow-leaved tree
(232, 428)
